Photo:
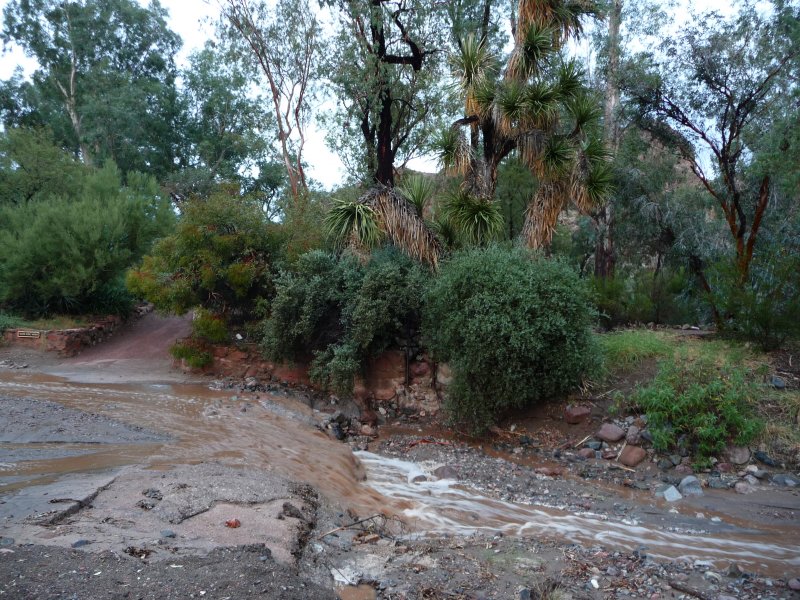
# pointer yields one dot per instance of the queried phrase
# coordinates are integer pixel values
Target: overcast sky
(190, 19)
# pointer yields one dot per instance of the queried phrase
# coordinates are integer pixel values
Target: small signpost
(25, 333)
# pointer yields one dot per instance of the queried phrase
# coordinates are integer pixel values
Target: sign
(23, 333)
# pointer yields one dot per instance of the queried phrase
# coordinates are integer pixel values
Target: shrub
(219, 258)
(513, 327)
(337, 312)
(208, 327)
(698, 405)
(67, 254)
(8, 322)
(195, 356)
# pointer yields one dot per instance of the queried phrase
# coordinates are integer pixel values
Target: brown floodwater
(276, 434)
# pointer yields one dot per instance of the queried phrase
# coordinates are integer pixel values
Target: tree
(228, 130)
(384, 73)
(105, 82)
(538, 107)
(284, 42)
(731, 74)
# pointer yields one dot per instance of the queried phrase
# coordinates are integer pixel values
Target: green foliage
(68, 253)
(764, 309)
(353, 222)
(194, 355)
(631, 346)
(696, 404)
(514, 328)
(477, 221)
(8, 321)
(219, 258)
(340, 313)
(208, 327)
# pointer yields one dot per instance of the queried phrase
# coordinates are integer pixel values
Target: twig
(682, 587)
(343, 527)
(582, 441)
(620, 450)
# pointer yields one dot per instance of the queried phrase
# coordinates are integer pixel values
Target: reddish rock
(549, 471)
(446, 472)
(724, 467)
(576, 413)
(609, 454)
(419, 369)
(586, 453)
(610, 433)
(684, 470)
(291, 374)
(632, 456)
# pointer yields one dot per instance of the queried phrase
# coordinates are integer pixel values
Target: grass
(629, 347)
(9, 321)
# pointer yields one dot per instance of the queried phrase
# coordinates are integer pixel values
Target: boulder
(446, 472)
(634, 435)
(690, 486)
(610, 433)
(576, 413)
(632, 456)
(738, 455)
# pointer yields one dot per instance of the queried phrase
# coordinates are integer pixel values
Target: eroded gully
(277, 434)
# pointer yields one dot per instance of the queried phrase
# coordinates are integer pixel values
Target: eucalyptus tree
(284, 42)
(104, 82)
(536, 105)
(712, 82)
(384, 69)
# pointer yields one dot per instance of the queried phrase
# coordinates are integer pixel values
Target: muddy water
(205, 425)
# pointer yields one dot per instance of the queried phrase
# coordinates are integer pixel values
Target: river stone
(586, 453)
(633, 436)
(690, 486)
(594, 445)
(609, 432)
(632, 456)
(742, 487)
(665, 464)
(446, 472)
(671, 494)
(717, 484)
(785, 480)
(794, 584)
(762, 457)
(738, 455)
(576, 413)
(779, 383)
(167, 533)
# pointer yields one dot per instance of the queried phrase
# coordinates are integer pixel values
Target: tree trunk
(604, 260)
(384, 173)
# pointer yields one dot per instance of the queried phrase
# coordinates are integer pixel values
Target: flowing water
(277, 435)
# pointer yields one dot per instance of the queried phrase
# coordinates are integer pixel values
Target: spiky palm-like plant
(537, 106)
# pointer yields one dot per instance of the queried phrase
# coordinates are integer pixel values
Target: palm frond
(481, 97)
(353, 222)
(453, 150)
(557, 158)
(473, 62)
(510, 105)
(594, 188)
(477, 220)
(570, 80)
(530, 55)
(541, 216)
(418, 190)
(401, 224)
(541, 106)
(585, 111)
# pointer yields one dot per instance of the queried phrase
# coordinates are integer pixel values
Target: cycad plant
(536, 106)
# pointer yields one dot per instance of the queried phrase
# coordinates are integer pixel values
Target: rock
(716, 483)
(80, 543)
(670, 494)
(785, 480)
(586, 453)
(751, 480)
(690, 486)
(634, 435)
(742, 487)
(152, 493)
(646, 435)
(712, 576)
(549, 471)
(794, 584)
(446, 472)
(764, 459)
(167, 533)
(594, 445)
(418, 478)
(609, 454)
(760, 474)
(675, 459)
(609, 432)
(738, 455)
(779, 383)
(665, 464)
(336, 431)
(524, 594)
(367, 430)
(632, 455)
(684, 470)
(724, 467)
(734, 571)
(576, 413)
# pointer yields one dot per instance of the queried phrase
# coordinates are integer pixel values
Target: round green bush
(514, 328)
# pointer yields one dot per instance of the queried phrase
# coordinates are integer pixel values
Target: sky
(191, 20)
